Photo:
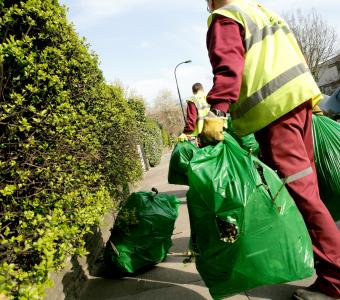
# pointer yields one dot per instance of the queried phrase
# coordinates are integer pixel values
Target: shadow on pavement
(148, 283)
(274, 292)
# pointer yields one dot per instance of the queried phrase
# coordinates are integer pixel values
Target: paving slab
(172, 279)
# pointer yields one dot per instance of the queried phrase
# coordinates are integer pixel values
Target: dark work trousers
(287, 147)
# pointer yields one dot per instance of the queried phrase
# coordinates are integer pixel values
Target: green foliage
(67, 144)
(126, 219)
(153, 144)
(153, 138)
(166, 138)
(138, 107)
(119, 135)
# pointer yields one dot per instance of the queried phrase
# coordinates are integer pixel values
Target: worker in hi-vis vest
(197, 110)
(261, 78)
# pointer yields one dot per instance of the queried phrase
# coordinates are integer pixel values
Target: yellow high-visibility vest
(276, 78)
(202, 107)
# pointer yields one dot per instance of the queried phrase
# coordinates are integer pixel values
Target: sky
(140, 42)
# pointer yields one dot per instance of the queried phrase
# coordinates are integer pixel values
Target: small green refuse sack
(179, 162)
(245, 226)
(141, 235)
(326, 134)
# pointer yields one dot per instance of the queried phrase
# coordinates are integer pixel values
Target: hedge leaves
(67, 144)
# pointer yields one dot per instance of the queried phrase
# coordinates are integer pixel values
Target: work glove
(183, 137)
(317, 110)
(212, 131)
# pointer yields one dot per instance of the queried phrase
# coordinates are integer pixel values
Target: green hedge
(153, 142)
(138, 107)
(153, 138)
(67, 144)
(166, 138)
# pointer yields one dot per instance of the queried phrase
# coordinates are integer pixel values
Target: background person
(197, 109)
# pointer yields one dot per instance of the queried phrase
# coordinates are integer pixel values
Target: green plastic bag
(184, 152)
(141, 236)
(179, 162)
(247, 142)
(326, 134)
(246, 227)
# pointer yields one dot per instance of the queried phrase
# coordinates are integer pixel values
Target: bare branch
(167, 112)
(316, 38)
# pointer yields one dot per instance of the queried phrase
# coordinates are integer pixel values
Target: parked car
(330, 105)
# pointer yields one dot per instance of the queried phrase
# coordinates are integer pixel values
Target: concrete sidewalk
(172, 279)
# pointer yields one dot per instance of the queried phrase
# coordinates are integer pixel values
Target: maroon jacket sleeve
(191, 118)
(225, 43)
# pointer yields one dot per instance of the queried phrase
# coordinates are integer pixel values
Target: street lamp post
(179, 94)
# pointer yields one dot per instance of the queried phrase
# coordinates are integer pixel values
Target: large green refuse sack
(179, 162)
(141, 235)
(326, 134)
(184, 152)
(246, 227)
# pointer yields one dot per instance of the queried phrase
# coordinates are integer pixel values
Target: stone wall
(69, 282)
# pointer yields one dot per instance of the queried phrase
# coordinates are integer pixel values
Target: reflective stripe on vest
(276, 78)
(297, 175)
(268, 89)
(263, 33)
(257, 34)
